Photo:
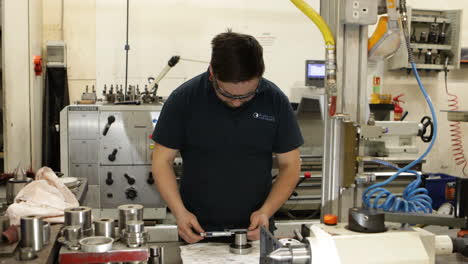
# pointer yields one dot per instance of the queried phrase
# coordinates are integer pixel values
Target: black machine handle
(150, 179)
(109, 180)
(110, 120)
(426, 122)
(130, 179)
(112, 155)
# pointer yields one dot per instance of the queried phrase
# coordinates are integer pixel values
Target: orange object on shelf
(330, 219)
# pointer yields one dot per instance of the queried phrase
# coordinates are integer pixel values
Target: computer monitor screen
(316, 70)
(315, 73)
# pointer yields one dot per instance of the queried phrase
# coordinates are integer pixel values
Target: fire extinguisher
(397, 109)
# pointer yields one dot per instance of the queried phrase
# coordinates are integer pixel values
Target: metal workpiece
(32, 232)
(365, 220)
(26, 253)
(129, 212)
(80, 216)
(134, 227)
(14, 186)
(71, 236)
(46, 233)
(294, 254)
(156, 255)
(105, 227)
(285, 250)
(96, 244)
(134, 234)
(240, 246)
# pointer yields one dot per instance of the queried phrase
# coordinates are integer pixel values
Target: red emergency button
(307, 174)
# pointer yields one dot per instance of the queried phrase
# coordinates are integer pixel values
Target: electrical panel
(361, 12)
(434, 40)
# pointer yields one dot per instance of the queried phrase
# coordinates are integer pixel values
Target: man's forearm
(166, 184)
(282, 188)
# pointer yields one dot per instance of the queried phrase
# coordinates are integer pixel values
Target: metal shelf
(430, 46)
(429, 19)
(422, 66)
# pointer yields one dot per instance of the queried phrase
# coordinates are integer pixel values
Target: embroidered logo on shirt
(265, 117)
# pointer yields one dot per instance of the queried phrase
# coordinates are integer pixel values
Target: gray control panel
(111, 145)
(361, 12)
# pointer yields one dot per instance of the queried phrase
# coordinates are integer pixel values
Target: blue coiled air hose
(414, 199)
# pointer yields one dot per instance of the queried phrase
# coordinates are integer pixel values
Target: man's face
(235, 95)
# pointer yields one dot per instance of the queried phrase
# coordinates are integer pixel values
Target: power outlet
(360, 12)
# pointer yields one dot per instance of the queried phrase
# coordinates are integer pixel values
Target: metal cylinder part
(96, 244)
(129, 212)
(240, 245)
(104, 227)
(134, 240)
(26, 254)
(80, 216)
(14, 186)
(72, 233)
(134, 227)
(240, 238)
(46, 233)
(32, 230)
(156, 255)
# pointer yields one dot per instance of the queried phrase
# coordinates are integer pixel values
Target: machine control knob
(110, 120)
(113, 154)
(109, 180)
(110, 195)
(130, 179)
(131, 193)
(150, 179)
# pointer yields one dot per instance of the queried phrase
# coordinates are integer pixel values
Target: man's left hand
(257, 220)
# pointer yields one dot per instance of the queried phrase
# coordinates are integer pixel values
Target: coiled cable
(414, 199)
(455, 128)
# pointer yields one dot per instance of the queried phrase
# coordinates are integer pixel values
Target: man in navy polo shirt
(227, 123)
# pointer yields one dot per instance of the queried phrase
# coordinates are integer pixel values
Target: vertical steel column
(351, 47)
(332, 171)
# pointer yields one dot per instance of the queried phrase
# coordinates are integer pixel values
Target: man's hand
(186, 223)
(257, 220)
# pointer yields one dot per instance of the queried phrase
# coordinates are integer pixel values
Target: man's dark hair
(236, 57)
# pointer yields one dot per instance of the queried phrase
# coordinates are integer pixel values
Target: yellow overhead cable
(317, 19)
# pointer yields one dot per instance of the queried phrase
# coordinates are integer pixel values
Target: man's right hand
(186, 223)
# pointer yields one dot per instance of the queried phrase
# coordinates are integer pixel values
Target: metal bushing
(156, 255)
(32, 232)
(14, 186)
(71, 236)
(26, 254)
(134, 234)
(240, 246)
(104, 227)
(134, 227)
(46, 233)
(129, 212)
(134, 240)
(96, 244)
(80, 216)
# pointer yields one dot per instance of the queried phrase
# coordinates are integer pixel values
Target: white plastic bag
(46, 196)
